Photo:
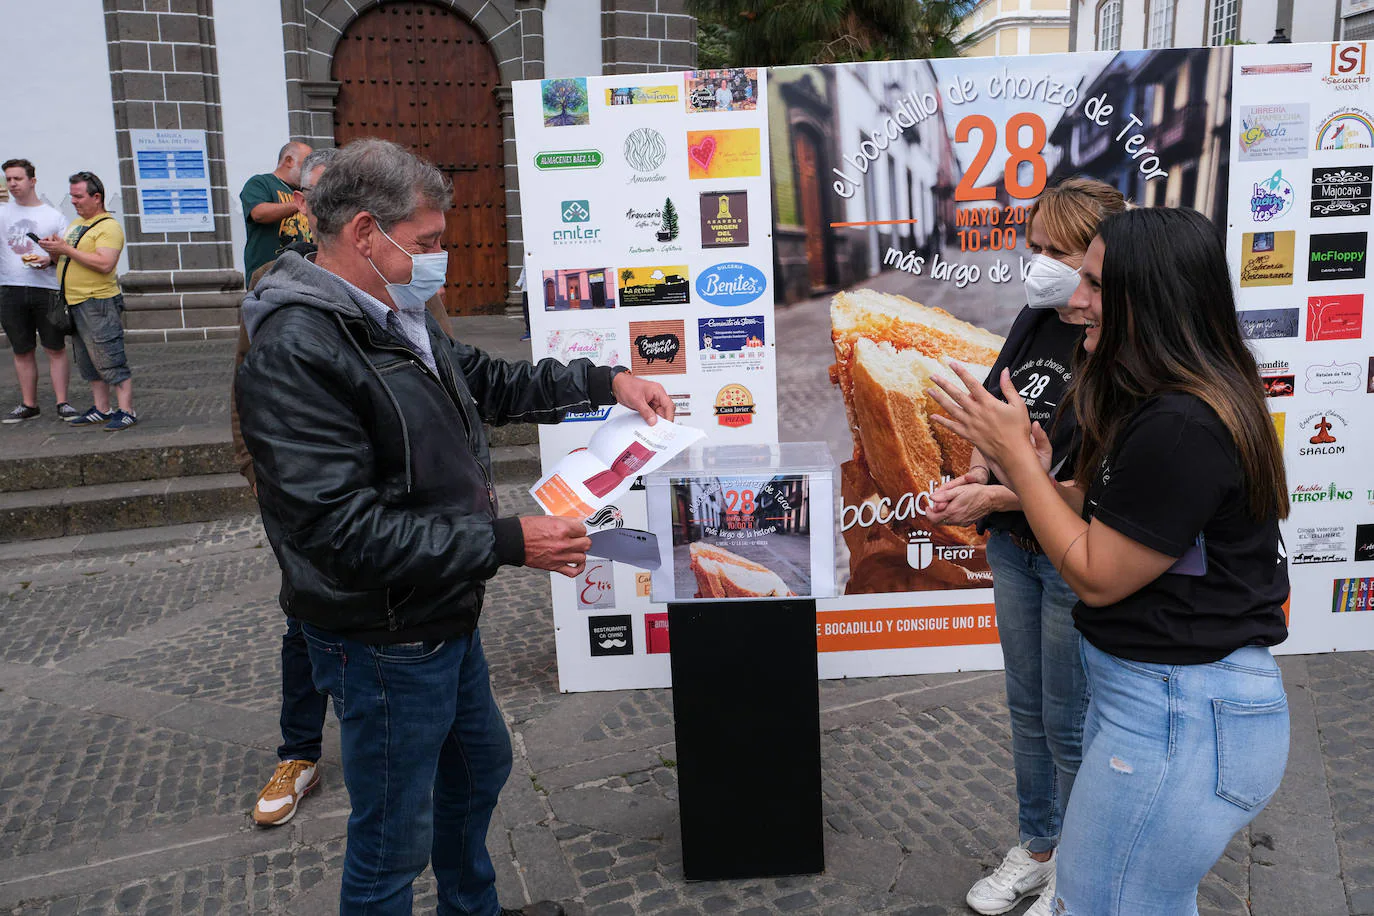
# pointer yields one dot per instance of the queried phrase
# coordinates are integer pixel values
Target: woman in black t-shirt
(1047, 689)
(1173, 547)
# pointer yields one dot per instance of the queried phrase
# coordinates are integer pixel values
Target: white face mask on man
(1049, 283)
(427, 274)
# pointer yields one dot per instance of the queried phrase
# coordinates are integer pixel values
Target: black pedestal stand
(747, 713)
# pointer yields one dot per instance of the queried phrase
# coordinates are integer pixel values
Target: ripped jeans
(1176, 759)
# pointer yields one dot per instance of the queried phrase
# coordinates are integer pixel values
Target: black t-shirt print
(1040, 353)
(1174, 474)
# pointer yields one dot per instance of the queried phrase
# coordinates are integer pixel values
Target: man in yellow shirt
(89, 253)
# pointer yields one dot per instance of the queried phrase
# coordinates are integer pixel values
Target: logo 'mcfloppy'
(1337, 256)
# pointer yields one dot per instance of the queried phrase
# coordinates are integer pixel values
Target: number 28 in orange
(1017, 153)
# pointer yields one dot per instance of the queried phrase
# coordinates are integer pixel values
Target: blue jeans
(98, 344)
(425, 754)
(1047, 691)
(1177, 758)
(303, 707)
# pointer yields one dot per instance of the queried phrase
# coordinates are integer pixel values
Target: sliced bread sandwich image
(863, 314)
(903, 448)
(722, 574)
(886, 349)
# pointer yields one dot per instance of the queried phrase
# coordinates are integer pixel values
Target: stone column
(639, 36)
(164, 74)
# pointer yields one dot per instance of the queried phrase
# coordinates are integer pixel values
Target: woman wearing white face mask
(1046, 686)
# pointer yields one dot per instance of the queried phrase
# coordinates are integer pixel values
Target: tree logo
(565, 102)
(668, 231)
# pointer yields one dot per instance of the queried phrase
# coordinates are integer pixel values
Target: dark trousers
(303, 707)
(425, 754)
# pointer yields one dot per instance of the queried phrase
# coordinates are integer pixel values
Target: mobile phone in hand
(32, 236)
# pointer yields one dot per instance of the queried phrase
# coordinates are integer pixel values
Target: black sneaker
(542, 908)
(90, 418)
(67, 412)
(120, 419)
(20, 414)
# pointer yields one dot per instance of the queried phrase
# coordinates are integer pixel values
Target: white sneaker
(1015, 879)
(278, 800)
(1044, 904)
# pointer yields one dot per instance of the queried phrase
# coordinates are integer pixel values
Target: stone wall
(164, 75)
(641, 36)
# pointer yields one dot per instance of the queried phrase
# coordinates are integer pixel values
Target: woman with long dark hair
(1170, 538)
(1047, 691)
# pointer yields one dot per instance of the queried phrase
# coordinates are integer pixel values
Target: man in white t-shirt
(28, 291)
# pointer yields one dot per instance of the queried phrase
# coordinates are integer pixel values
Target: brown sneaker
(279, 799)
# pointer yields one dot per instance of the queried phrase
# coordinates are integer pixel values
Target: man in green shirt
(270, 214)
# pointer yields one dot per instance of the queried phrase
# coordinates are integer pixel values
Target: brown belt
(1028, 544)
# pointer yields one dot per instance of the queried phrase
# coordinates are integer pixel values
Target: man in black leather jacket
(364, 422)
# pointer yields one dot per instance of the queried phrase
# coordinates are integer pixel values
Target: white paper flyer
(624, 448)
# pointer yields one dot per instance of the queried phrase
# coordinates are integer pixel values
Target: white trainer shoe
(1015, 879)
(279, 799)
(1044, 904)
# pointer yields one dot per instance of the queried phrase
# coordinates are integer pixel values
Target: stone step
(97, 508)
(115, 465)
(161, 462)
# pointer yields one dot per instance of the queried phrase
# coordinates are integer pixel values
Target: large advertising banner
(1303, 147)
(896, 238)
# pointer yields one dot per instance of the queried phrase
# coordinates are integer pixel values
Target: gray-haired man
(365, 425)
(272, 215)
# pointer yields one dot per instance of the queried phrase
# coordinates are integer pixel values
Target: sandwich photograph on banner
(904, 193)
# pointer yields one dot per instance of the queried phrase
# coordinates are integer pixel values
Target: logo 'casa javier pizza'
(731, 283)
(734, 406)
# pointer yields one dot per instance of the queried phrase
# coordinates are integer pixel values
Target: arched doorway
(422, 76)
(806, 155)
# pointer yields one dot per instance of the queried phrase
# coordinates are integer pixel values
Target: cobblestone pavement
(138, 721)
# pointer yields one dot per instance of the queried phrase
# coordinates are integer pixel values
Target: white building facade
(1111, 25)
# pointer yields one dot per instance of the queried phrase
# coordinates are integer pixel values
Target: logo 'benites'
(731, 283)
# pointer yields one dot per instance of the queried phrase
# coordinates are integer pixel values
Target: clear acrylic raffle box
(744, 521)
(746, 535)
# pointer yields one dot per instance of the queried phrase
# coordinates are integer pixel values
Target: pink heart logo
(703, 153)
